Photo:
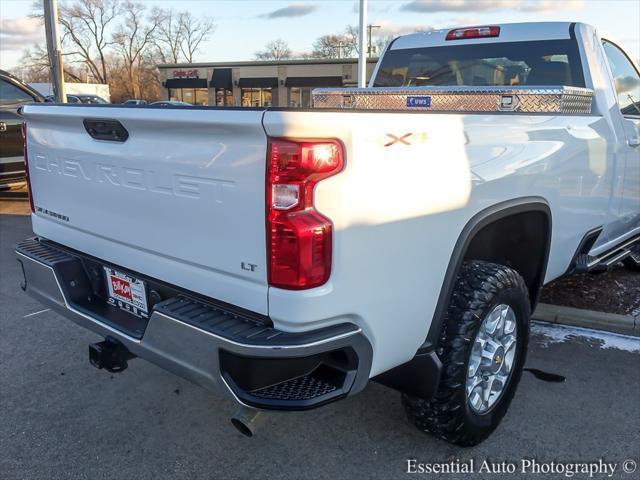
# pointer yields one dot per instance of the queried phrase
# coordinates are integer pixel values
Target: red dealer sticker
(121, 288)
(126, 292)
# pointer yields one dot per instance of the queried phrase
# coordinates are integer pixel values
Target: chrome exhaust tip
(248, 420)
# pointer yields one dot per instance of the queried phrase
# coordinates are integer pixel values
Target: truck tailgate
(181, 200)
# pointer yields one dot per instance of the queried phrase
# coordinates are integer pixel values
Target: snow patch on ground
(551, 333)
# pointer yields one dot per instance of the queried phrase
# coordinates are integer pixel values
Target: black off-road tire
(632, 262)
(480, 286)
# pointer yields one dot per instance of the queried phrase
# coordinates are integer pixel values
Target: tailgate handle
(105, 129)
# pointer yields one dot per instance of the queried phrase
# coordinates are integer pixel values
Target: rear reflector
(299, 238)
(474, 32)
(26, 165)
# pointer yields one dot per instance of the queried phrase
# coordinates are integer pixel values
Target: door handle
(3, 127)
(634, 142)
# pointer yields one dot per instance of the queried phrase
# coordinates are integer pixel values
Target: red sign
(186, 73)
(121, 287)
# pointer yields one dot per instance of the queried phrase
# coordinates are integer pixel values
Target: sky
(245, 26)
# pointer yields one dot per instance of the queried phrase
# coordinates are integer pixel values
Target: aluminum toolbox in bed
(520, 99)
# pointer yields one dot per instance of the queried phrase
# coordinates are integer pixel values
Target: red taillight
(26, 164)
(474, 32)
(299, 239)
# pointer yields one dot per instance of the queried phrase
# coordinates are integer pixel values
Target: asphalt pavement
(60, 418)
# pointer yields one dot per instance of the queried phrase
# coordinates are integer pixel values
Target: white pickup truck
(399, 233)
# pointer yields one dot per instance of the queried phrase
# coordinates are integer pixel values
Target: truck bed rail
(520, 99)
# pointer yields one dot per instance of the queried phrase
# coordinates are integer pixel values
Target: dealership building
(283, 83)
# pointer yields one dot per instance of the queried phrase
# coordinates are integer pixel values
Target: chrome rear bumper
(219, 350)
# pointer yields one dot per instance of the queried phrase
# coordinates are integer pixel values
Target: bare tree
(148, 84)
(351, 34)
(133, 39)
(169, 36)
(34, 67)
(111, 41)
(333, 46)
(85, 25)
(274, 50)
(179, 35)
(381, 43)
(193, 32)
(345, 44)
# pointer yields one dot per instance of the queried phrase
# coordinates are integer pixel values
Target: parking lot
(62, 418)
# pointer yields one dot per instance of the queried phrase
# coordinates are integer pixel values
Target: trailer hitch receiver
(111, 355)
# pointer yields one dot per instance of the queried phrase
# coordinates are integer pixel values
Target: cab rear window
(541, 63)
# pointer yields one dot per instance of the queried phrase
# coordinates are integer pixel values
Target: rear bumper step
(215, 347)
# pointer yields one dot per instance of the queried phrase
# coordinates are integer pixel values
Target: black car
(170, 103)
(87, 98)
(70, 99)
(13, 94)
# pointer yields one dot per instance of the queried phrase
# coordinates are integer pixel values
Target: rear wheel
(483, 349)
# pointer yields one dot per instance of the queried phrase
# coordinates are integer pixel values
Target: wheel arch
(478, 238)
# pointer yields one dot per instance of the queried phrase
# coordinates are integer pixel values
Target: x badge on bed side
(394, 139)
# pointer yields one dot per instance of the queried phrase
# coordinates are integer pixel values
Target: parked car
(135, 102)
(70, 99)
(79, 98)
(13, 94)
(90, 98)
(399, 233)
(170, 103)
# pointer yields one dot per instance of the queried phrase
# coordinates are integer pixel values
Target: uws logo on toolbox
(127, 293)
(422, 101)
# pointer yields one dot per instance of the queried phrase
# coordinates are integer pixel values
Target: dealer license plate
(126, 292)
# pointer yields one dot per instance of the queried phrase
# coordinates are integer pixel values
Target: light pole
(54, 50)
(362, 61)
(370, 48)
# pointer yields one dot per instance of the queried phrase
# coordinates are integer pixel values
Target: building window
(194, 96)
(256, 97)
(224, 97)
(300, 97)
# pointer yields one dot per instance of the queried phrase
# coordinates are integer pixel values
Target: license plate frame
(126, 292)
